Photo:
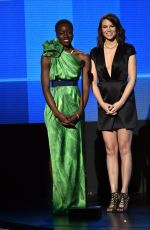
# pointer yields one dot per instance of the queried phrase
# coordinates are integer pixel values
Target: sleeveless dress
(112, 88)
(65, 143)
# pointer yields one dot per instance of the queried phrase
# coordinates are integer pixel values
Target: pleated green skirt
(66, 152)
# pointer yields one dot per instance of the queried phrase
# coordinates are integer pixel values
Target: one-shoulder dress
(65, 143)
(112, 88)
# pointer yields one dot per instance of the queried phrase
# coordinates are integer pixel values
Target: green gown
(65, 143)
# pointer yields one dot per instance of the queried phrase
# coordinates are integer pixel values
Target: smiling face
(108, 30)
(64, 34)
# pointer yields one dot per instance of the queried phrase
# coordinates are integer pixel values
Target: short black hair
(63, 21)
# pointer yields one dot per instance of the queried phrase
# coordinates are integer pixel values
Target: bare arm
(45, 67)
(96, 90)
(131, 79)
(85, 87)
(130, 85)
(85, 84)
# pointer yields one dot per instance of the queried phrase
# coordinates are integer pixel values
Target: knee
(111, 150)
(124, 149)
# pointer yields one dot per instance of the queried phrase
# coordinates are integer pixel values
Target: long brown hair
(120, 37)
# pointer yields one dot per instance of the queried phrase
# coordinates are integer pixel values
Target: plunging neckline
(110, 75)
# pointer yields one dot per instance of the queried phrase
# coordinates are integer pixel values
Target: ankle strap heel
(123, 202)
(113, 202)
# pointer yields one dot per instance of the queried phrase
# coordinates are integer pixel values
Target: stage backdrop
(26, 24)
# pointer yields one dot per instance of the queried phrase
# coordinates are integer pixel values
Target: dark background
(24, 164)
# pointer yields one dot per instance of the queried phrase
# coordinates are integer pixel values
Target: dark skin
(65, 36)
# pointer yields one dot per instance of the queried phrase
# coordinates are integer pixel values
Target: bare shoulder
(82, 55)
(85, 55)
(45, 60)
(81, 52)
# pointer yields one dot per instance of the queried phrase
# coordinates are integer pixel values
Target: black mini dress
(112, 88)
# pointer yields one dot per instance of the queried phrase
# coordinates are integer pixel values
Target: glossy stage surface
(137, 217)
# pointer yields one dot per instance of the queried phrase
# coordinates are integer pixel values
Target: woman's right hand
(108, 108)
(63, 119)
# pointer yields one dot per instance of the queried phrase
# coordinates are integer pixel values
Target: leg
(111, 145)
(124, 141)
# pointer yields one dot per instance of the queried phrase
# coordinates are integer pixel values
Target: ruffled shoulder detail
(52, 48)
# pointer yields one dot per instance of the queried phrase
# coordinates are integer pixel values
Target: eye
(60, 33)
(104, 27)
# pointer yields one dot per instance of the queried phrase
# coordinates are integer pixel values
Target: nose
(108, 29)
(65, 35)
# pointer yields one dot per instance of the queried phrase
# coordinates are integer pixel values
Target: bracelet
(77, 115)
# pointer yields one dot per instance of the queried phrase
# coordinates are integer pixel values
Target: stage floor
(137, 217)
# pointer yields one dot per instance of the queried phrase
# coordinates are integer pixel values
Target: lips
(109, 34)
(66, 42)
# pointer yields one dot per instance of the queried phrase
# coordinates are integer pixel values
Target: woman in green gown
(61, 67)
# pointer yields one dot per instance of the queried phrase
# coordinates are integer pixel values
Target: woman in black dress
(114, 76)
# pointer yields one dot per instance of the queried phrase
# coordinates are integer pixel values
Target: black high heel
(113, 202)
(123, 202)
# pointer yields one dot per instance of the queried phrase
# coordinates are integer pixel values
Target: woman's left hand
(115, 107)
(73, 118)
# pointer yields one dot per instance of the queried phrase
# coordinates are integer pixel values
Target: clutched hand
(73, 118)
(115, 107)
(109, 108)
(65, 119)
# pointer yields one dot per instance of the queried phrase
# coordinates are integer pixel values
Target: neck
(110, 44)
(68, 48)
